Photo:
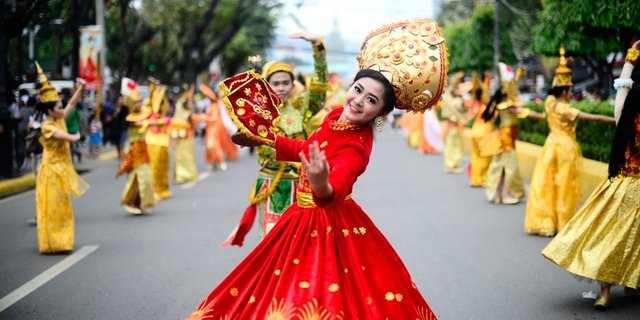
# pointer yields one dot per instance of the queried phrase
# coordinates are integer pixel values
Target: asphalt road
(469, 258)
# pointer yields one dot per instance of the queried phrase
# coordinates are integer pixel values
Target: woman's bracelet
(622, 83)
(632, 55)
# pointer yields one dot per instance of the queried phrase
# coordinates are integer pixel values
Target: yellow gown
(57, 181)
(602, 240)
(158, 147)
(555, 183)
(184, 154)
(479, 164)
(454, 114)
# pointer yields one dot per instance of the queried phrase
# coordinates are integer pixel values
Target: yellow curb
(12, 186)
(108, 155)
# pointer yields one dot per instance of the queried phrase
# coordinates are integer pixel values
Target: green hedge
(595, 138)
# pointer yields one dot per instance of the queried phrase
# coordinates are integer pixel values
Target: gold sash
(305, 199)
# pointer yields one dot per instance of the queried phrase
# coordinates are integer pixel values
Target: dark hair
(558, 91)
(43, 107)
(492, 106)
(389, 97)
(625, 129)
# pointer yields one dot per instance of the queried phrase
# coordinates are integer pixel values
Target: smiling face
(363, 101)
(282, 83)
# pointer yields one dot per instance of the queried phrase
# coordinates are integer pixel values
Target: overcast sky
(355, 19)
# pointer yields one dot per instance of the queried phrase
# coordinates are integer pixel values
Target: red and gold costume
(317, 261)
(280, 277)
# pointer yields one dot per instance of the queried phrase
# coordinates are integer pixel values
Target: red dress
(324, 259)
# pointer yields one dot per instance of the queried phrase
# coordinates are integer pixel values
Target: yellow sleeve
(49, 128)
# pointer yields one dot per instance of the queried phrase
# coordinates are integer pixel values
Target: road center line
(45, 277)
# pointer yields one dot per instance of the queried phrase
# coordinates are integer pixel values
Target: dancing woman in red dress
(325, 259)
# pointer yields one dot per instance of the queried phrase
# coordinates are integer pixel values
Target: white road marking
(45, 277)
(202, 176)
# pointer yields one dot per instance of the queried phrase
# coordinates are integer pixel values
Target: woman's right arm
(625, 75)
(60, 135)
(595, 117)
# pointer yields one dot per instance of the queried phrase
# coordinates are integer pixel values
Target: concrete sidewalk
(26, 180)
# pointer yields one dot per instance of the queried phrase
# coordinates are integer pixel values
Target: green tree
(589, 28)
(471, 45)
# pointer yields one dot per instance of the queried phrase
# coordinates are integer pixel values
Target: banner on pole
(90, 48)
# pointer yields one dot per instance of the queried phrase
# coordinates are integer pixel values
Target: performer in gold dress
(157, 139)
(275, 186)
(479, 130)
(137, 197)
(555, 183)
(454, 115)
(505, 107)
(602, 240)
(181, 132)
(57, 178)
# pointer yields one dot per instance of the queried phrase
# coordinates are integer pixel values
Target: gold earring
(379, 123)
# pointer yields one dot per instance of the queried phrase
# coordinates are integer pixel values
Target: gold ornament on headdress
(47, 92)
(272, 67)
(413, 56)
(563, 72)
(509, 82)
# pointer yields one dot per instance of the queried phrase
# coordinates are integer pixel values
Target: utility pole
(6, 123)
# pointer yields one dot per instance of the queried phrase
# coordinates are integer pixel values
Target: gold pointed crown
(562, 77)
(47, 92)
(413, 56)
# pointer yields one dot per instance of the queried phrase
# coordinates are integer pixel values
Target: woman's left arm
(80, 83)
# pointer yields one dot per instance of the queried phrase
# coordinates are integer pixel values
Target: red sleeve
(287, 149)
(348, 164)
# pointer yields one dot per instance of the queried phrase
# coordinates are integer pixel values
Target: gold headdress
(563, 72)
(272, 67)
(413, 56)
(509, 80)
(47, 92)
(130, 92)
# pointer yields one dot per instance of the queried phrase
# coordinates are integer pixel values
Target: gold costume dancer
(57, 178)
(555, 183)
(501, 144)
(479, 130)
(137, 197)
(181, 132)
(602, 241)
(454, 115)
(157, 139)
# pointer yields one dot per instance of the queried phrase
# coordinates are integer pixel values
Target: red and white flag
(127, 86)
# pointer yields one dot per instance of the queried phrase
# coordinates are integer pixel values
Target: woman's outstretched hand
(317, 168)
(304, 35)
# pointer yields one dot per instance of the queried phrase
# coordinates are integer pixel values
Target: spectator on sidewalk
(74, 124)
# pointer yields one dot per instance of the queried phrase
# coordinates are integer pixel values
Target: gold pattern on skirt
(601, 242)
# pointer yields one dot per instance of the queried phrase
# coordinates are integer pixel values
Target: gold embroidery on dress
(314, 233)
(296, 261)
(277, 272)
(334, 287)
(424, 314)
(341, 126)
(234, 292)
(280, 310)
(389, 296)
(198, 314)
(312, 311)
(304, 285)
(345, 232)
